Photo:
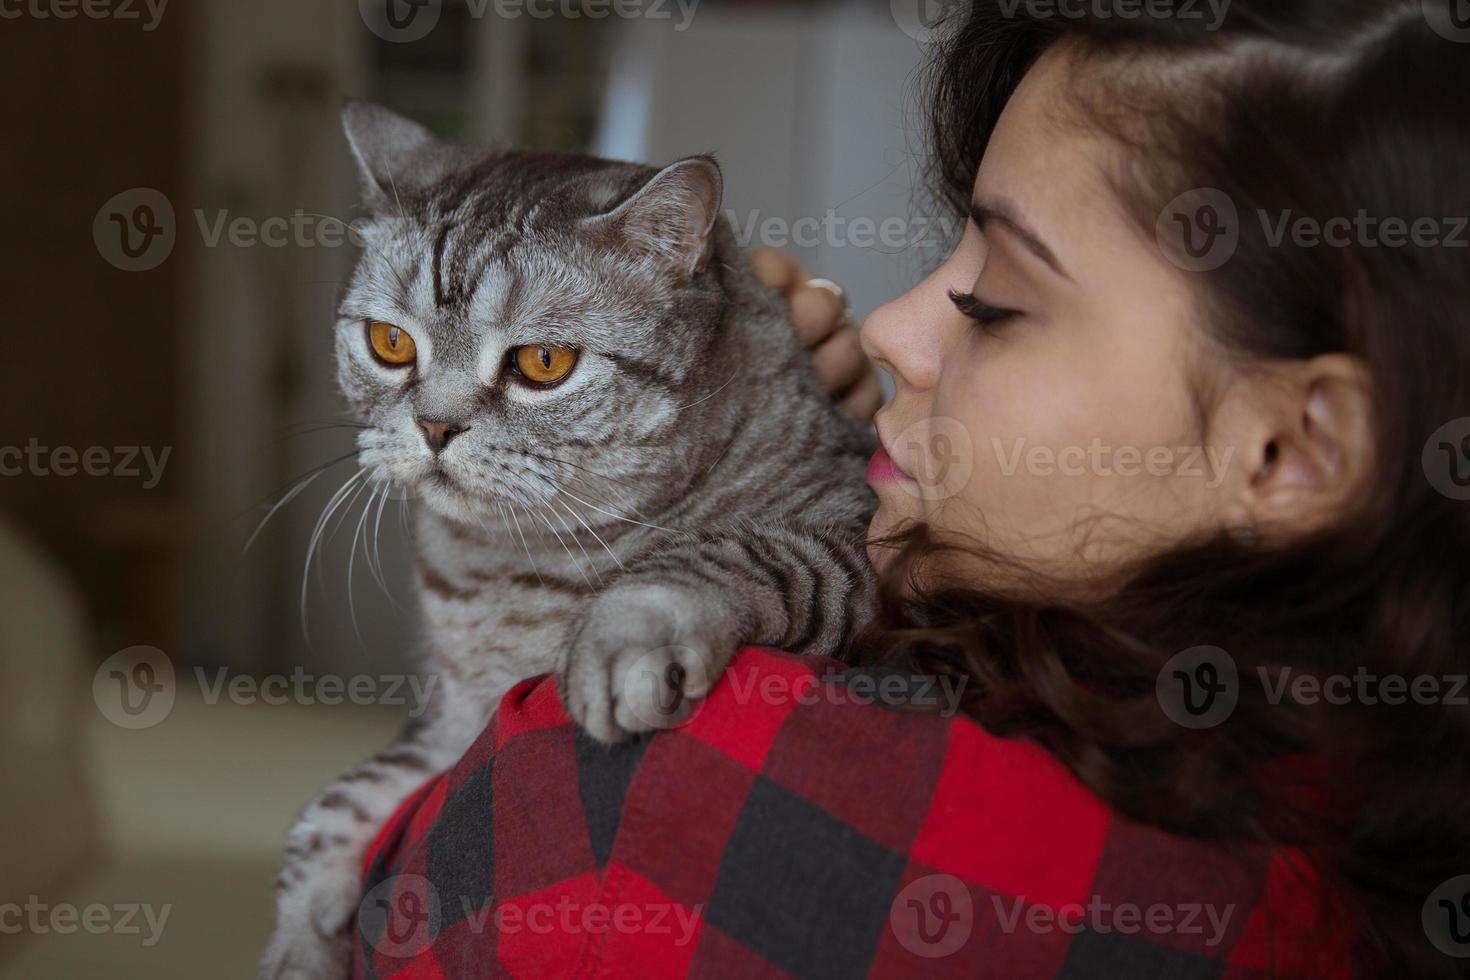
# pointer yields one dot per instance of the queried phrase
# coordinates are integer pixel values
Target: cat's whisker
(396, 200)
(580, 520)
(316, 425)
(346, 511)
(357, 532)
(706, 398)
(590, 489)
(377, 545)
(316, 533)
(570, 557)
(655, 527)
(577, 538)
(286, 498)
(311, 473)
(524, 544)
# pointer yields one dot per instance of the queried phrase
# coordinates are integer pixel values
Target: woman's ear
(1303, 432)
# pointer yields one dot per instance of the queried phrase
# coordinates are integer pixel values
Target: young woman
(1173, 507)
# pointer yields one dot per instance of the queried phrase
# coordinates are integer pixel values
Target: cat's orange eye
(391, 345)
(544, 365)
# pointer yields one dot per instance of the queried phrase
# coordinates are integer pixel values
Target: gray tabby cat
(624, 463)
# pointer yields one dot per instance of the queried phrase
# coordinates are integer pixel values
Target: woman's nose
(902, 337)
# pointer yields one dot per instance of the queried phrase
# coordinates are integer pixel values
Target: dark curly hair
(1329, 108)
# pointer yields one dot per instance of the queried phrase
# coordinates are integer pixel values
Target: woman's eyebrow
(985, 212)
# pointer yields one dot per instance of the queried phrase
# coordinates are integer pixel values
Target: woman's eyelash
(989, 317)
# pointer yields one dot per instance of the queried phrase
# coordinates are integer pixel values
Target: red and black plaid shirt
(795, 828)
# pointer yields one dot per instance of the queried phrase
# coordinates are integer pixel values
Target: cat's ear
(392, 153)
(672, 217)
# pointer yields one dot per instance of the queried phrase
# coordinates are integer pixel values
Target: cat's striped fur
(687, 488)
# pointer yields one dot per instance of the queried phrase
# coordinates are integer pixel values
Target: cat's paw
(642, 656)
(315, 915)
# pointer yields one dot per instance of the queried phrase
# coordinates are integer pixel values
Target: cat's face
(522, 330)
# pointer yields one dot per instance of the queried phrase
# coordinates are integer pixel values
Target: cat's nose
(437, 434)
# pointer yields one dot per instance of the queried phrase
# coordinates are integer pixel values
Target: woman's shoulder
(820, 820)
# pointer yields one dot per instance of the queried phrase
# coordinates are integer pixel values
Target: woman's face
(1046, 373)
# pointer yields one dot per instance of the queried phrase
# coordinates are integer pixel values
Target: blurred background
(178, 189)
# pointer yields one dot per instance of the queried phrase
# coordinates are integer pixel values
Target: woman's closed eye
(990, 318)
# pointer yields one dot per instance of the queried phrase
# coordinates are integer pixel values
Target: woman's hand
(819, 311)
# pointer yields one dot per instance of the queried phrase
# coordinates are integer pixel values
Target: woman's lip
(882, 469)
